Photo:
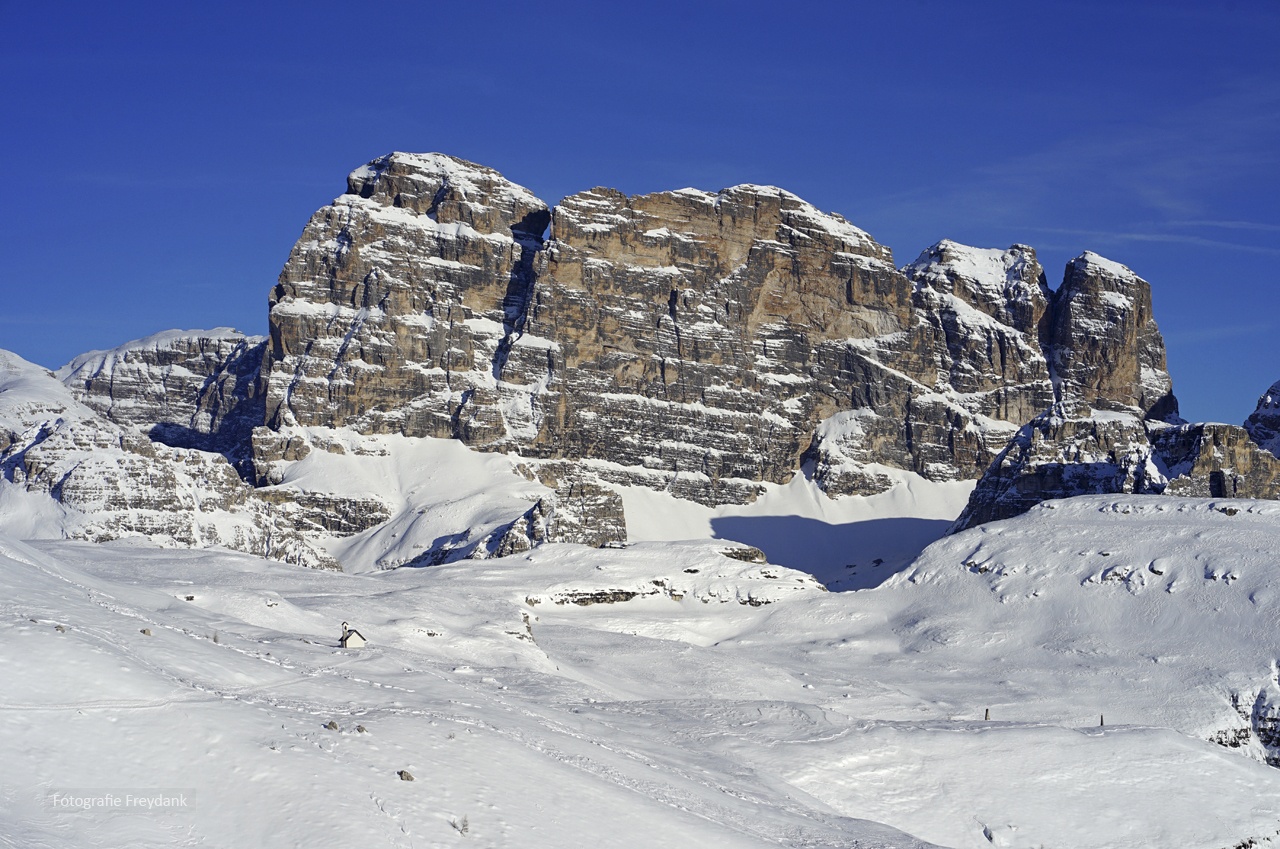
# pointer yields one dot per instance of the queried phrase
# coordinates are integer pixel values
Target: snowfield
(661, 694)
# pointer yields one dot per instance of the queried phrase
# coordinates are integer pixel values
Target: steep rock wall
(187, 389)
(696, 342)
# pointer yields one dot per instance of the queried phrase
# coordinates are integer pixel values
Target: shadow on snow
(851, 556)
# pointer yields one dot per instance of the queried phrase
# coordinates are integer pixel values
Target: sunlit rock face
(697, 338)
(111, 480)
(188, 389)
(1107, 349)
(1114, 427)
(392, 305)
(1074, 449)
(697, 342)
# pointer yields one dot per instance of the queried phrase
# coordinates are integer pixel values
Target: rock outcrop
(704, 344)
(582, 513)
(1263, 424)
(1077, 450)
(186, 389)
(701, 343)
(1211, 460)
(1070, 449)
(1107, 351)
(391, 309)
(112, 481)
(1114, 426)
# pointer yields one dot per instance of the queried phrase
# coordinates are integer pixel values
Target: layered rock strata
(1077, 450)
(697, 342)
(1115, 426)
(112, 481)
(187, 389)
(1210, 460)
(394, 302)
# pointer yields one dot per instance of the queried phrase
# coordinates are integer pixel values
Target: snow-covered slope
(445, 499)
(664, 693)
(378, 501)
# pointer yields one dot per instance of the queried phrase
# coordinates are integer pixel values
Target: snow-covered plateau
(660, 694)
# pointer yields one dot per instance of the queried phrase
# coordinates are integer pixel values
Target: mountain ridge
(705, 345)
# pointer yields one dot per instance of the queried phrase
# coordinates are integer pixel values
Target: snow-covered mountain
(1264, 423)
(709, 347)
(640, 504)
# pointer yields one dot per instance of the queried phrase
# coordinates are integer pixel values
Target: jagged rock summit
(700, 343)
(704, 344)
(1263, 424)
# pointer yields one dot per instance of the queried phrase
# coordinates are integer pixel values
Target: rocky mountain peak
(187, 388)
(1107, 349)
(728, 222)
(448, 189)
(1263, 424)
(1009, 285)
(705, 344)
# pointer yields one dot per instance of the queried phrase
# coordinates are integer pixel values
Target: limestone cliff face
(188, 389)
(1074, 449)
(1115, 425)
(395, 293)
(691, 334)
(111, 480)
(696, 342)
(1107, 350)
(1211, 460)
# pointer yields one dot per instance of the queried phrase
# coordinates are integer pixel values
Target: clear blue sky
(161, 158)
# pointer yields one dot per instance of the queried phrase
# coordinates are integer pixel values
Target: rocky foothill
(699, 343)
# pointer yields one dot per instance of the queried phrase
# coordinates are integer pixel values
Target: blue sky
(162, 158)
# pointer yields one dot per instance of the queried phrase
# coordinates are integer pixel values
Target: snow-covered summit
(1091, 263)
(91, 363)
(994, 272)
(448, 189)
(1263, 424)
(29, 395)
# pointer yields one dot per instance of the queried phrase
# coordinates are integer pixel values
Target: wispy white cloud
(1229, 225)
(1169, 167)
(1174, 238)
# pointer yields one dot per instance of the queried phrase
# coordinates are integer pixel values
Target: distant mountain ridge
(702, 344)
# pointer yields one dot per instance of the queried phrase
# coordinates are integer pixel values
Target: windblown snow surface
(661, 694)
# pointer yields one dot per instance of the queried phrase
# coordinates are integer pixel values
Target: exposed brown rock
(395, 293)
(1107, 350)
(700, 343)
(580, 512)
(1070, 449)
(1217, 461)
(692, 340)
